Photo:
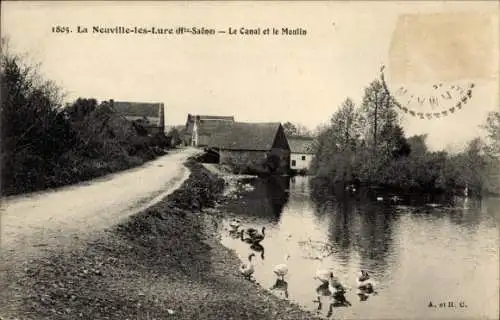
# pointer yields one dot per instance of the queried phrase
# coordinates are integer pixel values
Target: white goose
(334, 285)
(234, 224)
(281, 270)
(247, 269)
(322, 275)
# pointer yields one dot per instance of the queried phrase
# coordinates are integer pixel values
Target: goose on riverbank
(281, 270)
(247, 269)
(234, 224)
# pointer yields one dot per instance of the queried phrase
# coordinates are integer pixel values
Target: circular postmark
(428, 101)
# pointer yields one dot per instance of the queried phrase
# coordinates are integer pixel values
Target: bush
(45, 145)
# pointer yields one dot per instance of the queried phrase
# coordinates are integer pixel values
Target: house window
(293, 163)
(303, 158)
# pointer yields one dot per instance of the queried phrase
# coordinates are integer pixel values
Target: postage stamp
(434, 61)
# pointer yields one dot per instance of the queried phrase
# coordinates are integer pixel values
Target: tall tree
(347, 125)
(378, 111)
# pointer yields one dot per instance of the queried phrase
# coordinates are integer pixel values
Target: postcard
(250, 160)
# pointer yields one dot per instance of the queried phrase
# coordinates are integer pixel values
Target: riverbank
(162, 263)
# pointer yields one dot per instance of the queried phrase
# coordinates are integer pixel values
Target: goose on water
(338, 292)
(365, 284)
(281, 270)
(322, 275)
(247, 269)
(334, 285)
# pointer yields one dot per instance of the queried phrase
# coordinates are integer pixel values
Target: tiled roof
(246, 136)
(138, 109)
(301, 145)
(227, 118)
(210, 121)
(212, 126)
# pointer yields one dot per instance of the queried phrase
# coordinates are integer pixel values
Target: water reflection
(375, 236)
(266, 201)
(257, 247)
(341, 229)
(281, 286)
(402, 246)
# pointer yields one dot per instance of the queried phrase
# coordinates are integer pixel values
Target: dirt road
(60, 217)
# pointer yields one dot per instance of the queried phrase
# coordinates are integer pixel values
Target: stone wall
(240, 160)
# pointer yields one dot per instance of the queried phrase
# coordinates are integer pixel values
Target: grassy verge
(164, 263)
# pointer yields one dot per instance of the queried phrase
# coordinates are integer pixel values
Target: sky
(258, 78)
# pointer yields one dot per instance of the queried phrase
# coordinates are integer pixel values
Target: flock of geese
(330, 285)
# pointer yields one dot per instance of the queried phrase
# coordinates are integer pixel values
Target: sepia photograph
(249, 160)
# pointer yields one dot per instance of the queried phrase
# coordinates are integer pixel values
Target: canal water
(426, 262)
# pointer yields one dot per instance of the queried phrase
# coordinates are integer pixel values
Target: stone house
(301, 152)
(149, 115)
(249, 144)
(199, 128)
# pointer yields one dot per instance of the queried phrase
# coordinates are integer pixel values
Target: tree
(378, 111)
(175, 137)
(492, 127)
(394, 142)
(347, 124)
(296, 129)
(35, 133)
(337, 144)
(303, 131)
(290, 129)
(80, 109)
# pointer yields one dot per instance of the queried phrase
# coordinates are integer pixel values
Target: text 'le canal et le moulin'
(185, 30)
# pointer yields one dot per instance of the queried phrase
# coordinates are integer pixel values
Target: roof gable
(222, 118)
(193, 117)
(209, 127)
(206, 123)
(246, 136)
(301, 145)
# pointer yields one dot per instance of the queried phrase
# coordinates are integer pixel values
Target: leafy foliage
(47, 145)
(292, 129)
(367, 144)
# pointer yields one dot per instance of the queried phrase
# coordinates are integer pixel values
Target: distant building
(244, 144)
(302, 152)
(199, 128)
(150, 116)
